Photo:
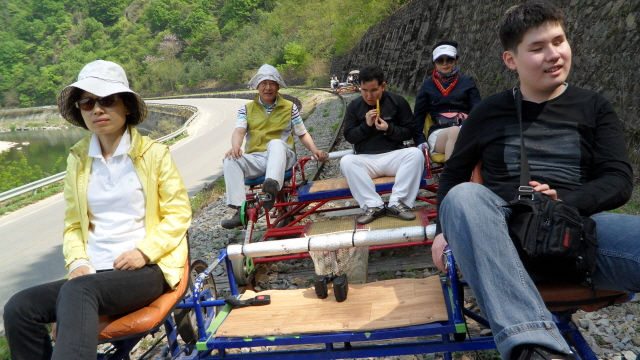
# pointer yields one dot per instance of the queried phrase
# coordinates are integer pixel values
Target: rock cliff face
(604, 36)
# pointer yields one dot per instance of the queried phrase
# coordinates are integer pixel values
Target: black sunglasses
(442, 60)
(87, 104)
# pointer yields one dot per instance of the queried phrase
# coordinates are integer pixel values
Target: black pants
(75, 305)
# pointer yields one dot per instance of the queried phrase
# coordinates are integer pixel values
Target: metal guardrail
(57, 177)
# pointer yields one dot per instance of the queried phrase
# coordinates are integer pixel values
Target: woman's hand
(544, 188)
(79, 271)
(437, 248)
(130, 260)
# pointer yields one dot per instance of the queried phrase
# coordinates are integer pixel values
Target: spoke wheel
(185, 318)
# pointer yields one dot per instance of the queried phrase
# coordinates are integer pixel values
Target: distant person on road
(334, 83)
(378, 140)
(268, 123)
(127, 213)
(448, 96)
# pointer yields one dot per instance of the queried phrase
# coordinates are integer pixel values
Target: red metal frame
(298, 211)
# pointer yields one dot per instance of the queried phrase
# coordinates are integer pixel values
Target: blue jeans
(474, 223)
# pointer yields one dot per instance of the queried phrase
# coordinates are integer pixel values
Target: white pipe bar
(276, 247)
(389, 236)
(331, 242)
(338, 154)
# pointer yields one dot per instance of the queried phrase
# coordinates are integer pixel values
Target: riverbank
(6, 145)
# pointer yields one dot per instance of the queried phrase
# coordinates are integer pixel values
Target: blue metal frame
(409, 340)
(305, 195)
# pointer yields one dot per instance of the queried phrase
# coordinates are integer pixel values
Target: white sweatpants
(272, 163)
(406, 165)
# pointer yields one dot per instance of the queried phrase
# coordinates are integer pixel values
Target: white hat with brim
(443, 50)
(101, 78)
(267, 72)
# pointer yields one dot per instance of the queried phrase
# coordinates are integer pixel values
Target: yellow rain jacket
(168, 211)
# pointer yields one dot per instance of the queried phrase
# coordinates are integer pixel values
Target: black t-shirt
(574, 143)
(394, 109)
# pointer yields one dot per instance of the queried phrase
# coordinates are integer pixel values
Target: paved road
(31, 238)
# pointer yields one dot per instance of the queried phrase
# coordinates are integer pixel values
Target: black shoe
(232, 223)
(270, 187)
(371, 214)
(401, 211)
(538, 352)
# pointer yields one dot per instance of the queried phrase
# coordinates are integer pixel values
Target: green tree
(107, 11)
(17, 172)
(295, 55)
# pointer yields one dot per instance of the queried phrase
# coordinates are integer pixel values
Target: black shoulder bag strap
(525, 191)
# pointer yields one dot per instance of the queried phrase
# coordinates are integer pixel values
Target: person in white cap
(448, 97)
(267, 123)
(127, 209)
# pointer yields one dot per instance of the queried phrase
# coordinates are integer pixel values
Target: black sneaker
(232, 223)
(401, 211)
(371, 214)
(538, 352)
(270, 187)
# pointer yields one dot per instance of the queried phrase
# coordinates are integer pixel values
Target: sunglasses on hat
(87, 104)
(441, 60)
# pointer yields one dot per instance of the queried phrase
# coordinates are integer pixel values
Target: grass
(4, 349)
(309, 102)
(206, 196)
(176, 139)
(385, 275)
(632, 207)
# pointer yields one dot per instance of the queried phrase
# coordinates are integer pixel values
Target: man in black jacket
(378, 139)
(577, 154)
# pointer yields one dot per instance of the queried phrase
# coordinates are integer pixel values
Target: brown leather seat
(145, 319)
(574, 296)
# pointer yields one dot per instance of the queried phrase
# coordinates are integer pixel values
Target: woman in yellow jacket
(125, 223)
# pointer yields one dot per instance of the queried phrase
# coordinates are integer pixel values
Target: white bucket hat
(267, 72)
(101, 78)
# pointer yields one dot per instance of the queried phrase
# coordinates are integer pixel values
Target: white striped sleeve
(241, 118)
(296, 120)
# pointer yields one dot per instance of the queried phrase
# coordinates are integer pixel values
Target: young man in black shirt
(378, 139)
(576, 153)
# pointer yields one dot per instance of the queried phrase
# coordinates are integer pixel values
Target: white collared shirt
(116, 204)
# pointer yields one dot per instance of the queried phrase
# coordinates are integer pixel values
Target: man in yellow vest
(268, 123)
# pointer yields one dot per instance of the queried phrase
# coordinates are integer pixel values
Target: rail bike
(384, 318)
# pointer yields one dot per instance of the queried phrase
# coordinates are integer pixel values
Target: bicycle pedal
(264, 196)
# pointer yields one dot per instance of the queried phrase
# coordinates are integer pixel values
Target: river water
(44, 146)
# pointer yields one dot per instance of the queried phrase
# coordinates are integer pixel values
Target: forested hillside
(172, 45)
